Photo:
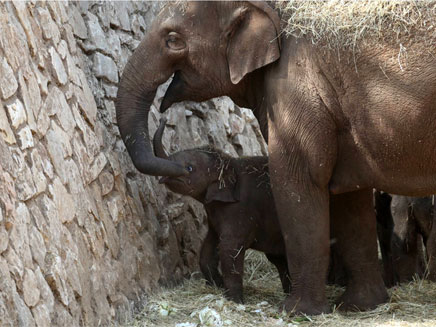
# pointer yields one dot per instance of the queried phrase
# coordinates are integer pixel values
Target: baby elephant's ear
(227, 194)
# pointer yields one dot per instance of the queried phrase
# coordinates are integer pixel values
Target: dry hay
(193, 304)
(343, 24)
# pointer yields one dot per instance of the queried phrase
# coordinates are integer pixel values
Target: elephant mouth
(173, 180)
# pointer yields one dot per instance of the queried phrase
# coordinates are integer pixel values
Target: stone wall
(83, 235)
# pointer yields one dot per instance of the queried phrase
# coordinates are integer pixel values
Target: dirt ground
(193, 304)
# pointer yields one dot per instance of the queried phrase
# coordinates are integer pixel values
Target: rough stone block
(58, 66)
(41, 315)
(45, 292)
(104, 67)
(96, 167)
(77, 22)
(25, 137)
(8, 83)
(31, 97)
(114, 45)
(56, 103)
(107, 182)
(56, 277)
(25, 318)
(13, 41)
(62, 49)
(237, 124)
(24, 18)
(70, 38)
(17, 114)
(24, 184)
(4, 239)
(37, 245)
(5, 129)
(8, 194)
(86, 100)
(58, 146)
(96, 35)
(49, 27)
(30, 288)
(39, 166)
(123, 10)
(18, 236)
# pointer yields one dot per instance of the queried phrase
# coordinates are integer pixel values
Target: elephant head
(211, 176)
(209, 48)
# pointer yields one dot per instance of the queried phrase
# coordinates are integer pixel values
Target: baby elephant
(237, 196)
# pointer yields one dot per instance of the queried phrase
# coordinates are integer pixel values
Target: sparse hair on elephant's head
(210, 177)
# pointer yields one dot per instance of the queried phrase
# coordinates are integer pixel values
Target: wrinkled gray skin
(406, 228)
(339, 123)
(241, 214)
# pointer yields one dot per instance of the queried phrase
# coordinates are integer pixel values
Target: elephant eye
(189, 168)
(174, 41)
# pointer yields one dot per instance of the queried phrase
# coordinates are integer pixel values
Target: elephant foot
(364, 297)
(236, 297)
(305, 306)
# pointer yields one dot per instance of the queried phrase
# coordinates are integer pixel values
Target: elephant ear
(253, 39)
(223, 192)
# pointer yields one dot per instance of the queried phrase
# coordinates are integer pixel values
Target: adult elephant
(337, 124)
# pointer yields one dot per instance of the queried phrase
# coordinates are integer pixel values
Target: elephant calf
(404, 224)
(237, 196)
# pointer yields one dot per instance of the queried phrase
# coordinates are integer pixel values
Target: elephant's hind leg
(282, 268)
(353, 226)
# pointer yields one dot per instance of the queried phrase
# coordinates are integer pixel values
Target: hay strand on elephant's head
(347, 24)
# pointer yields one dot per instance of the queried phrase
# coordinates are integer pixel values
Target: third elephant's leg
(353, 226)
(430, 246)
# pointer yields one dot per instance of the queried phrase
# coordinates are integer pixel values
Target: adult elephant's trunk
(157, 140)
(141, 77)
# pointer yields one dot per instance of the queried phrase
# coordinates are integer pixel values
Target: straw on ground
(193, 304)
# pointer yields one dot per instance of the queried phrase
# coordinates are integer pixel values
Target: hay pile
(343, 24)
(194, 304)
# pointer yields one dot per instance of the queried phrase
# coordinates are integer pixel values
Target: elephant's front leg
(303, 207)
(304, 221)
(354, 229)
(209, 259)
(232, 266)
